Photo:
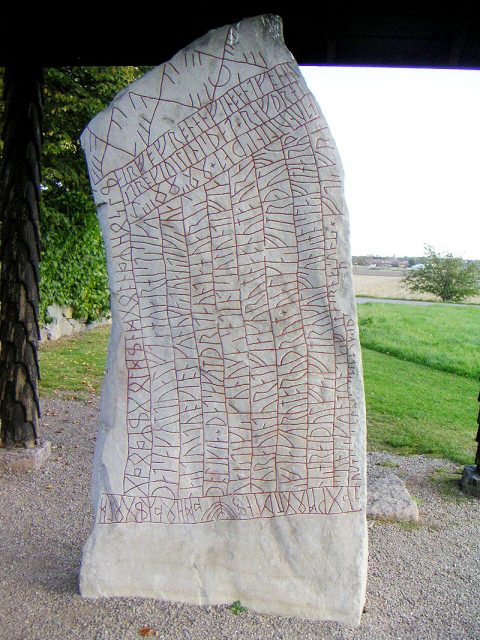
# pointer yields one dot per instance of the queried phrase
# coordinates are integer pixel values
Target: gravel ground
(424, 579)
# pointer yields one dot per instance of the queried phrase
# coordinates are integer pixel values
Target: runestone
(230, 460)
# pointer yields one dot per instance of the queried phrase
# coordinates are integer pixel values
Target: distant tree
(449, 277)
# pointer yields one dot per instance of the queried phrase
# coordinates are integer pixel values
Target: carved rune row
(224, 241)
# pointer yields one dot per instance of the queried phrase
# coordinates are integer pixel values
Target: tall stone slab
(230, 461)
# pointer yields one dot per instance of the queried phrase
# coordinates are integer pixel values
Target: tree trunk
(20, 256)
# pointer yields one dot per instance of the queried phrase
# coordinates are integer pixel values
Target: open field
(377, 284)
(441, 337)
(412, 408)
(421, 369)
(421, 374)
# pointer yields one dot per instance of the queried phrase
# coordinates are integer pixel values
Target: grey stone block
(388, 498)
(470, 482)
(230, 461)
(20, 459)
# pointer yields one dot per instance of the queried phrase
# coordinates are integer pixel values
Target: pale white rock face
(230, 462)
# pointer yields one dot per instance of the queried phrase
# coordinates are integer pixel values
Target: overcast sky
(409, 140)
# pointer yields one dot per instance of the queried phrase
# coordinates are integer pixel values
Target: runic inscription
(223, 233)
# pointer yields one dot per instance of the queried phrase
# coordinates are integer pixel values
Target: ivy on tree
(449, 277)
(72, 268)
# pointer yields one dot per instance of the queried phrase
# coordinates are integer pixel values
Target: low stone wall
(64, 324)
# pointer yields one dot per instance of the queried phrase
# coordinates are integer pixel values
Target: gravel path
(424, 579)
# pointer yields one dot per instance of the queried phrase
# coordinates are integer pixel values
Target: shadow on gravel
(54, 569)
(447, 484)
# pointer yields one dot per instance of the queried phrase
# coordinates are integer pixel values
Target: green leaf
(236, 608)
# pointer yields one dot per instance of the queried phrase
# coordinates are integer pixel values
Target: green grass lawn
(412, 408)
(74, 365)
(421, 369)
(441, 337)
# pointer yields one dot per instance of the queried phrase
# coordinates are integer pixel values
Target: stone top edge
(270, 24)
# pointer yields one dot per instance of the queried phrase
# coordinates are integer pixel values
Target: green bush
(73, 270)
(449, 277)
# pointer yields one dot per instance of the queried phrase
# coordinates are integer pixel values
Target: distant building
(380, 263)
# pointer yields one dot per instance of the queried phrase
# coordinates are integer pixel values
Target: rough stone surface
(389, 498)
(25, 459)
(64, 324)
(230, 463)
(470, 482)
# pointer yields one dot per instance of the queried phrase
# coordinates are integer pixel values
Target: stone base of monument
(389, 499)
(278, 566)
(470, 482)
(21, 459)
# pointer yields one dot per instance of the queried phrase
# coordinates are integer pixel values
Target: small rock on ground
(388, 497)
